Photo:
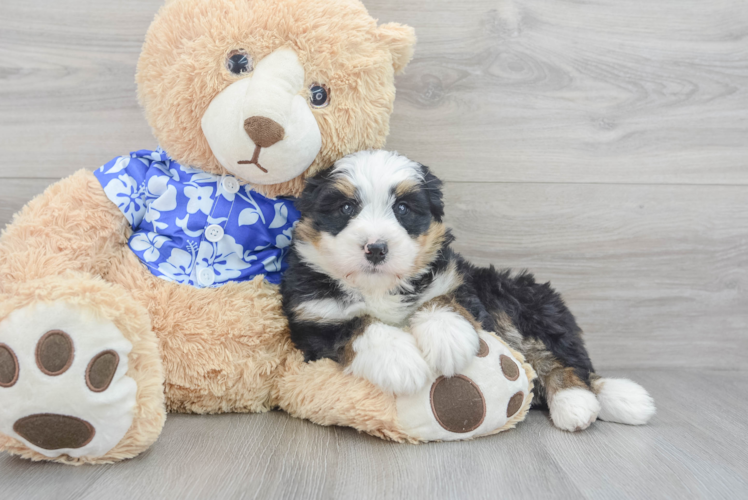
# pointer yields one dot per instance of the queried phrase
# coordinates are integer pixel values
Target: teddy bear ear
(400, 40)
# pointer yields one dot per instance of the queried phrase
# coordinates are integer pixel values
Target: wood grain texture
(600, 144)
(656, 275)
(693, 448)
(510, 91)
(563, 91)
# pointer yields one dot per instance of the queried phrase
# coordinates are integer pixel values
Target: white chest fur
(392, 309)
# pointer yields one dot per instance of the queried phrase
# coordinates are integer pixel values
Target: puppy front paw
(574, 409)
(447, 340)
(389, 358)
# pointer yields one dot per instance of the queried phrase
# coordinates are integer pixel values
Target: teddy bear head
(271, 91)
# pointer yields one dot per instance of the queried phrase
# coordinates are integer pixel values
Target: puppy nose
(375, 252)
(264, 132)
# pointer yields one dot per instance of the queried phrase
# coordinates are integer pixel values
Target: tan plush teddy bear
(150, 285)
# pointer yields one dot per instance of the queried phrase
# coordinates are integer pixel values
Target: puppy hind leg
(623, 401)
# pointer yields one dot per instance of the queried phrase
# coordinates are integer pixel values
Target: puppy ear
(433, 187)
(305, 202)
(400, 40)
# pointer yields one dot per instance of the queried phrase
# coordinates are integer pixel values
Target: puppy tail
(623, 401)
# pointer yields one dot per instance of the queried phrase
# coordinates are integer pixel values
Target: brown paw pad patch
(483, 349)
(100, 371)
(54, 432)
(54, 353)
(457, 404)
(8, 366)
(515, 403)
(509, 367)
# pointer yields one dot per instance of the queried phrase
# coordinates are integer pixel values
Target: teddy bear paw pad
(483, 399)
(63, 380)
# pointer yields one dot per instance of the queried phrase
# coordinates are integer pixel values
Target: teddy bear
(150, 284)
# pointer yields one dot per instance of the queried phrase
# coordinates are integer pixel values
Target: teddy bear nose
(263, 131)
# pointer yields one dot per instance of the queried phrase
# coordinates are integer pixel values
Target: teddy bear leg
(81, 380)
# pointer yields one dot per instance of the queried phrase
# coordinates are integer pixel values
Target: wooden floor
(602, 144)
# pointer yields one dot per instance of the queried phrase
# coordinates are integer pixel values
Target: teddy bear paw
(490, 395)
(63, 381)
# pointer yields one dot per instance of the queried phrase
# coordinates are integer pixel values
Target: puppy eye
(402, 209)
(319, 95)
(239, 62)
(346, 208)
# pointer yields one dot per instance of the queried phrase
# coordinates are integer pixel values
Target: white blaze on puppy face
(274, 90)
(375, 177)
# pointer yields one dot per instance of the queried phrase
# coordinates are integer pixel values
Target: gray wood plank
(568, 91)
(694, 448)
(656, 275)
(534, 91)
(67, 84)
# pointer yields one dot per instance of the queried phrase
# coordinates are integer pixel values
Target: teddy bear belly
(222, 347)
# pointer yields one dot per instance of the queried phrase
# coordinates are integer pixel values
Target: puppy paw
(447, 340)
(574, 409)
(624, 401)
(389, 358)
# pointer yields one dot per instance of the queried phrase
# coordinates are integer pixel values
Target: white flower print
(224, 257)
(165, 167)
(128, 196)
(272, 264)
(169, 206)
(178, 267)
(283, 240)
(200, 199)
(250, 216)
(164, 199)
(148, 243)
(281, 216)
(119, 165)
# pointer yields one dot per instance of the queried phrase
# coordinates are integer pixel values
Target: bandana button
(206, 276)
(230, 185)
(213, 233)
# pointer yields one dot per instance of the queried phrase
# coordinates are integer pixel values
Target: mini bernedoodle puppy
(373, 284)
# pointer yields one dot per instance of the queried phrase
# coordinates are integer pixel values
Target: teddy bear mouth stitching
(255, 160)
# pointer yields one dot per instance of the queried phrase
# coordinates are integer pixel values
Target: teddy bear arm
(321, 392)
(72, 226)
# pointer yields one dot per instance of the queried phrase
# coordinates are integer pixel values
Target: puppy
(373, 284)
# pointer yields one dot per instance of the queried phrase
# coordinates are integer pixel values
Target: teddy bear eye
(319, 95)
(239, 62)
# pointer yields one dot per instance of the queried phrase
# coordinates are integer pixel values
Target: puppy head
(372, 221)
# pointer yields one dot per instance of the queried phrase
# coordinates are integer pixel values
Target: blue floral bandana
(197, 228)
